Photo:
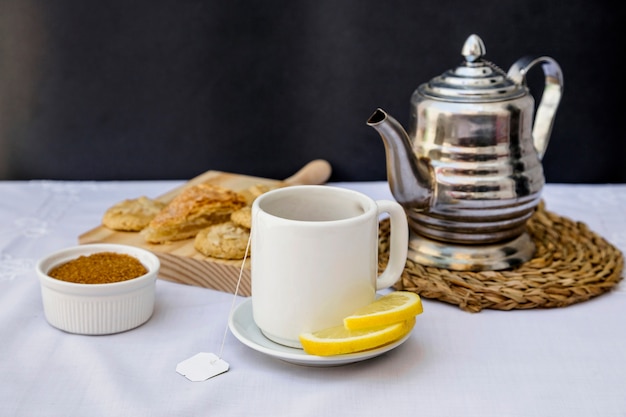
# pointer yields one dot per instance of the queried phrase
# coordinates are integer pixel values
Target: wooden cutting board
(180, 262)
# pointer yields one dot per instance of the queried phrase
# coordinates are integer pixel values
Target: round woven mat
(571, 264)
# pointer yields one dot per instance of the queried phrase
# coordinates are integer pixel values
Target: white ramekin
(98, 309)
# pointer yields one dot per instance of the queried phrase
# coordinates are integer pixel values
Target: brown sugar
(99, 268)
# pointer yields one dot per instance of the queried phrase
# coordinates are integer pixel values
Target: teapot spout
(410, 178)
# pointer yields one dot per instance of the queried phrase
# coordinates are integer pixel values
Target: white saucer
(244, 328)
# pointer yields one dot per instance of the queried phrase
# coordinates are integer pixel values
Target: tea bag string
(232, 305)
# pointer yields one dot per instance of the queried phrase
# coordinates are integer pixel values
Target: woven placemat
(571, 264)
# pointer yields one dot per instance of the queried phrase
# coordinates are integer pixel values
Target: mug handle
(398, 243)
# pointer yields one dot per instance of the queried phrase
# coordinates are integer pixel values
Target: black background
(169, 89)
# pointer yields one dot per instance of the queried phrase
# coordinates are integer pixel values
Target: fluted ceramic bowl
(98, 309)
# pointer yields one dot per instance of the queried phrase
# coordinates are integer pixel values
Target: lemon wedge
(338, 340)
(394, 307)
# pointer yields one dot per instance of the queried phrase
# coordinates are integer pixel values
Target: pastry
(131, 215)
(242, 217)
(224, 241)
(195, 208)
(254, 191)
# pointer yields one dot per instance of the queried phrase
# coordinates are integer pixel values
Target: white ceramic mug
(314, 257)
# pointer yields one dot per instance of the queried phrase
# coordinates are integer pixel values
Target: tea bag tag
(201, 367)
(206, 365)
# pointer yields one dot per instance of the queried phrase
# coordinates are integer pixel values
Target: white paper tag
(201, 367)
(205, 365)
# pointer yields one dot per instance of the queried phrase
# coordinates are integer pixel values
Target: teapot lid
(476, 79)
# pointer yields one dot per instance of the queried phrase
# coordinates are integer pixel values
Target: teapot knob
(473, 48)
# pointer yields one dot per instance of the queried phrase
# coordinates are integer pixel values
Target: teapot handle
(544, 119)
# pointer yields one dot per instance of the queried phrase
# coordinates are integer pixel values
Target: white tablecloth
(550, 362)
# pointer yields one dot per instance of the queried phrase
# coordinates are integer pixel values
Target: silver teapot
(468, 172)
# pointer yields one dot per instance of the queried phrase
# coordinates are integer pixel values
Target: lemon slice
(394, 307)
(338, 340)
